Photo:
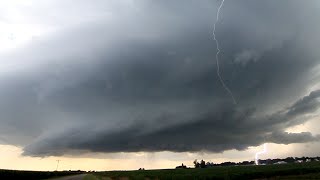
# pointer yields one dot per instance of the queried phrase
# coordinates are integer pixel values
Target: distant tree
(209, 164)
(289, 160)
(203, 164)
(196, 163)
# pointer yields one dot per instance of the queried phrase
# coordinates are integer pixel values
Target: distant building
(182, 166)
(281, 162)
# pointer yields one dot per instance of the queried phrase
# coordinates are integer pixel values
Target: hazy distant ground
(285, 171)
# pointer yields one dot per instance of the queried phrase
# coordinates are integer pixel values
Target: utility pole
(57, 165)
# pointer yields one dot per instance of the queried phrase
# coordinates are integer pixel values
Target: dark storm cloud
(288, 138)
(223, 129)
(306, 104)
(146, 81)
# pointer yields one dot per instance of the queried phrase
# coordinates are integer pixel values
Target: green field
(34, 175)
(286, 171)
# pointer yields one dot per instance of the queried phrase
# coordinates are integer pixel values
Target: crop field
(284, 171)
(34, 175)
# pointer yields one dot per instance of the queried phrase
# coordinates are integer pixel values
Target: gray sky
(140, 76)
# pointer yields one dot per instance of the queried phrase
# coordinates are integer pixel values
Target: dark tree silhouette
(196, 164)
(203, 164)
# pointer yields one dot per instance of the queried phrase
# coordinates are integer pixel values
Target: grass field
(285, 171)
(33, 175)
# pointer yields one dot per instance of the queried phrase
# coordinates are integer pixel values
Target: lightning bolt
(221, 79)
(256, 159)
(217, 54)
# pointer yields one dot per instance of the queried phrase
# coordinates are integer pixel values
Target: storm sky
(140, 75)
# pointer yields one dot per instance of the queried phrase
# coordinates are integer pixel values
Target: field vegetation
(34, 175)
(309, 170)
(279, 171)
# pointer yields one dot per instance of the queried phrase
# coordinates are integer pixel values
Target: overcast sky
(139, 76)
